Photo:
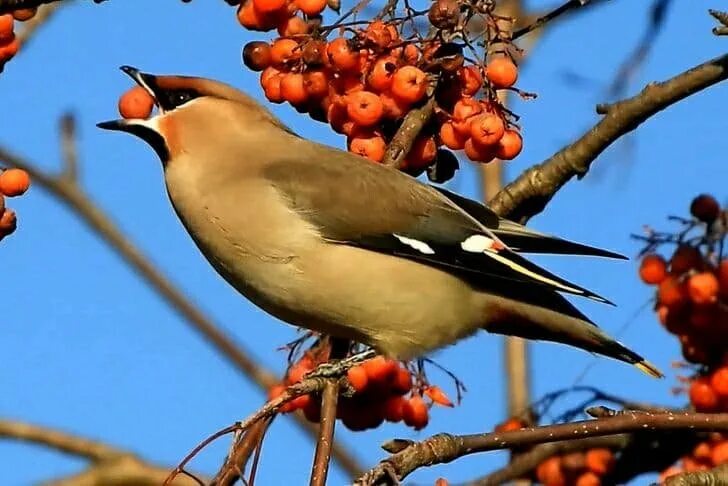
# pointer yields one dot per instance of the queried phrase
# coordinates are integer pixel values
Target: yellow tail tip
(649, 369)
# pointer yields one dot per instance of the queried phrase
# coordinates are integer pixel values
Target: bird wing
(354, 202)
(521, 238)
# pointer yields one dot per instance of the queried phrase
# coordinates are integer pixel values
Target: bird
(326, 240)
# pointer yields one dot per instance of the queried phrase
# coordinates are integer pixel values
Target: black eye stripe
(174, 98)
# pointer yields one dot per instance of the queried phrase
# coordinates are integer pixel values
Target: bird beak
(135, 125)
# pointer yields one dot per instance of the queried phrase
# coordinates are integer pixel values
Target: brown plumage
(324, 239)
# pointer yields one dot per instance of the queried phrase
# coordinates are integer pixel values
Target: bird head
(190, 110)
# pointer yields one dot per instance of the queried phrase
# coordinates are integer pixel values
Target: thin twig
(406, 134)
(529, 194)
(557, 12)
(325, 441)
(248, 444)
(444, 448)
(68, 147)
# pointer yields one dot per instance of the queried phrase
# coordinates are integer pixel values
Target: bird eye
(180, 97)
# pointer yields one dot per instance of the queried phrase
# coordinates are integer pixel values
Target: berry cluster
(13, 182)
(692, 286)
(9, 44)
(581, 468)
(706, 455)
(366, 80)
(576, 468)
(380, 387)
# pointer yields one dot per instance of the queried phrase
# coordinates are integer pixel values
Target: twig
(444, 448)
(406, 134)
(557, 12)
(72, 195)
(529, 194)
(68, 147)
(249, 443)
(322, 456)
(92, 450)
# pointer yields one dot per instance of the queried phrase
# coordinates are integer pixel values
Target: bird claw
(335, 369)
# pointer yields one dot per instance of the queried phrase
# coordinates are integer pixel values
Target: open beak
(149, 83)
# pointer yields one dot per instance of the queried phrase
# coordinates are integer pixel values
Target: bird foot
(337, 368)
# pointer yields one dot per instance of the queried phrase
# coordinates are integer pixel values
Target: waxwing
(326, 240)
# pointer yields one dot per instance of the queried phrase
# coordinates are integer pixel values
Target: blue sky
(88, 348)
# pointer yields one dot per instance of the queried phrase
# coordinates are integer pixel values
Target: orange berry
(702, 395)
(394, 408)
(409, 84)
(379, 34)
(705, 208)
(311, 7)
(14, 182)
(364, 108)
(401, 381)
(422, 153)
(256, 55)
(293, 89)
(549, 472)
(479, 153)
(371, 146)
(653, 269)
(509, 146)
(300, 402)
(6, 28)
(271, 84)
(442, 482)
(684, 259)
(380, 368)
(487, 129)
(703, 288)
(719, 382)
(588, 479)
(450, 137)
(8, 222)
(415, 413)
(136, 103)
(671, 292)
(250, 18)
(510, 425)
(268, 6)
(9, 50)
(702, 451)
(381, 74)
(316, 84)
(337, 117)
(462, 113)
(284, 50)
(297, 372)
(501, 72)
(438, 396)
(341, 56)
(275, 391)
(358, 378)
(600, 460)
(394, 108)
(719, 455)
(470, 79)
(292, 26)
(24, 14)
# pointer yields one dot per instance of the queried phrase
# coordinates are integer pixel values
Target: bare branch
(529, 194)
(548, 17)
(236, 463)
(31, 26)
(444, 448)
(322, 456)
(406, 134)
(68, 147)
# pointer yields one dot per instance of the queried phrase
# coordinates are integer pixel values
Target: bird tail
(548, 316)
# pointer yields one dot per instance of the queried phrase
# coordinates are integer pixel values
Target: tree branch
(406, 134)
(714, 477)
(444, 448)
(322, 456)
(529, 194)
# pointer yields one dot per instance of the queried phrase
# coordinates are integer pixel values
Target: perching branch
(529, 194)
(322, 457)
(444, 448)
(714, 477)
